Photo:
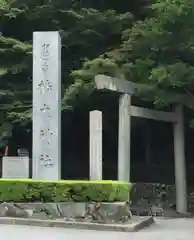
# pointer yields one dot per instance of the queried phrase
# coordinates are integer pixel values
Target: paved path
(169, 229)
(172, 229)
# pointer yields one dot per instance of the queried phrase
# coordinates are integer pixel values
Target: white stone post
(124, 138)
(46, 106)
(95, 145)
(179, 155)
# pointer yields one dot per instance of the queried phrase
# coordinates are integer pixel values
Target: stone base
(133, 225)
(116, 212)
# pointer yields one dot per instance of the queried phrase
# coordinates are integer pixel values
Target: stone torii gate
(47, 120)
(126, 111)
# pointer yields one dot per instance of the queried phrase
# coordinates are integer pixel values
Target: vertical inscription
(46, 135)
(45, 56)
(46, 160)
(46, 105)
(45, 108)
(44, 87)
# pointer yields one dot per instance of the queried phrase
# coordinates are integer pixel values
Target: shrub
(27, 190)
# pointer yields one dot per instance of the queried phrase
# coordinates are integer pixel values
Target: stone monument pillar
(46, 106)
(95, 145)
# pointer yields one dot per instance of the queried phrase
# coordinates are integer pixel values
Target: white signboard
(15, 167)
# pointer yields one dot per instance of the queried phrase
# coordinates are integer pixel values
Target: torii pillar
(179, 157)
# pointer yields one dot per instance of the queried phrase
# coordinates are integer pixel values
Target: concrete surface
(164, 229)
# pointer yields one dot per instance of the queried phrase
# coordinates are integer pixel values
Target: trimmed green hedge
(28, 190)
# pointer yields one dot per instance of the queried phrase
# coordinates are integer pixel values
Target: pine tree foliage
(81, 26)
(158, 51)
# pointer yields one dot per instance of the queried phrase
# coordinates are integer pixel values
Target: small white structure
(126, 111)
(15, 167)
(95, 145)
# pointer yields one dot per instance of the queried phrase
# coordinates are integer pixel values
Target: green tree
(81, 26)
(157, 51)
